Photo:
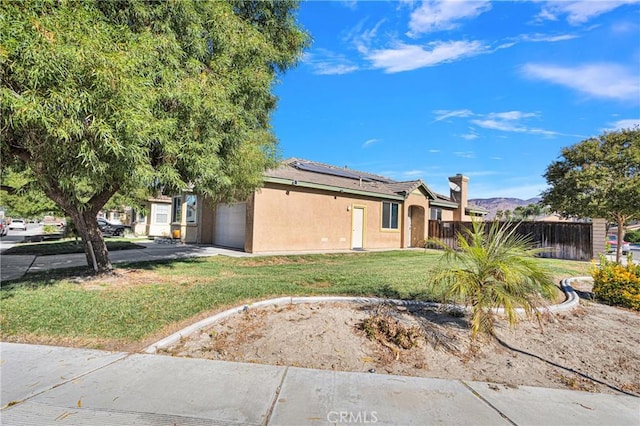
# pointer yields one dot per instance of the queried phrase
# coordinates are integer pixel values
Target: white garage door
(230, 225)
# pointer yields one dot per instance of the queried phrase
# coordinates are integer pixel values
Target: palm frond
(492, 268)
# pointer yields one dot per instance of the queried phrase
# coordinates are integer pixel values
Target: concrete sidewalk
(44, 385)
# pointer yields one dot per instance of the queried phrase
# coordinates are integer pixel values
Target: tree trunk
(621, 221)
(95, 248)
(83, 214)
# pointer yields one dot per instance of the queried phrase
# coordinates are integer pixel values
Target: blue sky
(493, 90)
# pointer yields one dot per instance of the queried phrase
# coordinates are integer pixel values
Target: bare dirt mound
(592, 348)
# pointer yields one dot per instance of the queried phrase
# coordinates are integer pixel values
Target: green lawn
(151, 299)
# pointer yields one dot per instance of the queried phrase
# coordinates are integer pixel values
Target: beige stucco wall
(285, 218)
(447, 215)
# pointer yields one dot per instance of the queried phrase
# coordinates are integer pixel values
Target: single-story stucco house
(310, 206)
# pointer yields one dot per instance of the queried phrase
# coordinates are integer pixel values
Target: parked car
(612, 240)
(3, 227)
(110, 229)
(18, 224)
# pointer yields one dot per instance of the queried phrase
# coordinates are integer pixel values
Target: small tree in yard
(492, 268)
(105, 97)
(598, 177)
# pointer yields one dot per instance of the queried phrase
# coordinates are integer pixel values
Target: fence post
(599, 237)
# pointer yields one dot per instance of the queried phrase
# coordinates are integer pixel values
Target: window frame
(176, 209)
(191, 201)
(389, 209)
(167, 213)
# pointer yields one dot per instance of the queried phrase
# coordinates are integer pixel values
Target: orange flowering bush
(616, 284)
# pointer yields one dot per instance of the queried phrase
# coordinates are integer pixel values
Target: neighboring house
(156, 222)
(305, 205)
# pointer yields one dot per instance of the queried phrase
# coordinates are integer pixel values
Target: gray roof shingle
(325, 174)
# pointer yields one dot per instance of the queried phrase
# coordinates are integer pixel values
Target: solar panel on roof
(319, 168)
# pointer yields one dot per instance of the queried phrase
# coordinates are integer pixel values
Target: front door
(357, 233)
(416, 227)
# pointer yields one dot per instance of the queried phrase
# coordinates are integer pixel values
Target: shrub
(494, 268)
(633, 236)
(49, 229)
(617, 284)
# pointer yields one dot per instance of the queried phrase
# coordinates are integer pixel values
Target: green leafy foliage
(633, 236)
(21, 197)
(493, 268)
(99, 98)
(617, 284)
(598, 178)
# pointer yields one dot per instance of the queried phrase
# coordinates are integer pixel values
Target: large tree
(106, 97)
(598, 177)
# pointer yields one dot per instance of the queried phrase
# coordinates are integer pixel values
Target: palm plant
(492, 268)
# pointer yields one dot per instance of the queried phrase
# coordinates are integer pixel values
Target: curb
(570, 303)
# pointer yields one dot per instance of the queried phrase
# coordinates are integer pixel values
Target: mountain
(495, 204)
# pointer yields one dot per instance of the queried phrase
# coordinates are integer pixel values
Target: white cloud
(438, 15)
(538, 37)
(443, 114)
(350, 4)
(325, 62)
(405, 57)
(362, 39)
(334, 69)
(370, 142)
(601, 80)
(510, 126)
(413, 173)
(504, 126)
(579, 12)
(434, 151)
(626, 124)
(511, 121)
(465, 154)
(507, 121)
(512, 115)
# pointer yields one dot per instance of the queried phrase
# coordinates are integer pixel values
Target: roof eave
(331, 188)
(476, 211)
(442, 203)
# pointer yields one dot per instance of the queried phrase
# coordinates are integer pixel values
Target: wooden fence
(562, 240)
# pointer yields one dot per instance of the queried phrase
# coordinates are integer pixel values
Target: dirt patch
(123, 278)
(592, 348)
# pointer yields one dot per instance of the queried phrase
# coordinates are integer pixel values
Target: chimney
(459, 186)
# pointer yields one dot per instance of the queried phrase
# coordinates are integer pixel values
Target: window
(435, 214)
(162, 213)
(176, 213)
(140, 216)
(389, 215)
(191, 201)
